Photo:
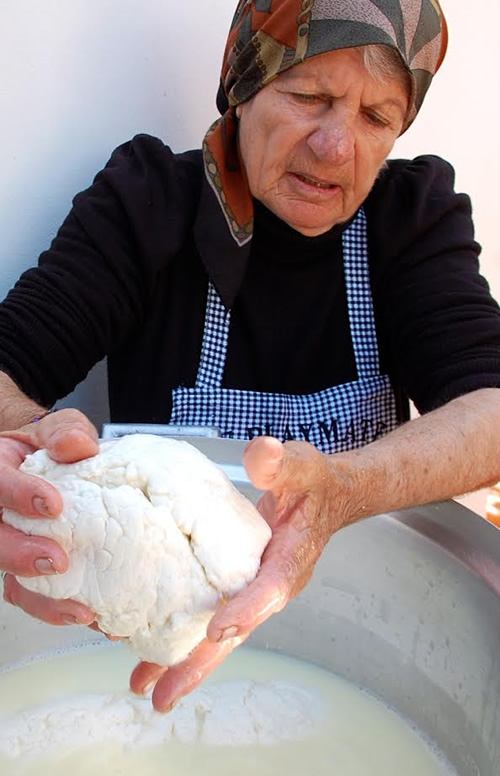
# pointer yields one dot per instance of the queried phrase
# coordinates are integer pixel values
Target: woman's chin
(310, 224)
(309, 218)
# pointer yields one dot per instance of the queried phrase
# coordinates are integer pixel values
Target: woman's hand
(449, 451)
(306, 500)
(68, 436)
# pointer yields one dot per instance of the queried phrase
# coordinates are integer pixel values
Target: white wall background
(460, 119)
(78, 77)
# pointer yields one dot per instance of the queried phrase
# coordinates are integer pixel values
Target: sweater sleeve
(437, 321)
(91, 287)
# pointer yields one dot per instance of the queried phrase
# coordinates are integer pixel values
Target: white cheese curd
(156, 535)
(234, 713)
(260, 713)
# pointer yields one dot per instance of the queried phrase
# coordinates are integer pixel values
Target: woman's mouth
(309, 185)
(319, 184)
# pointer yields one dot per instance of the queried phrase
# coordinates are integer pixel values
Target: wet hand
(305, 501)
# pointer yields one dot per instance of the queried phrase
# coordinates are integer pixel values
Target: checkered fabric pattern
(337, 419)
(359, 298)
(214, 347)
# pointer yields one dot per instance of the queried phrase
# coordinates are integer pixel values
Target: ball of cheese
(156, 535)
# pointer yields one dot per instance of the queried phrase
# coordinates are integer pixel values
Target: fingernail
(69, 619)
(45, 566)
(40, 505)
(228, 633)
(73, 619)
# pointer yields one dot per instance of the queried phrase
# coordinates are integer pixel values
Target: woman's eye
(376, 120)
(307, 98)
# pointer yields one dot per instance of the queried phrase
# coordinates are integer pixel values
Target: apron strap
(359, 297)
(214, 347)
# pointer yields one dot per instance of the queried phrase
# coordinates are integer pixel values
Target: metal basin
(406, 605)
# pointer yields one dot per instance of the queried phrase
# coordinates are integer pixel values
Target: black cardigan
(127, 274)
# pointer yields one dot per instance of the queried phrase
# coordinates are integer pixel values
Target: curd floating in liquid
(260, 714)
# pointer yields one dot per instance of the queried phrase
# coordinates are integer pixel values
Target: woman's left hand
(305, 502)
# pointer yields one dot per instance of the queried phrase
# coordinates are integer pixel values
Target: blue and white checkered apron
(334, 420)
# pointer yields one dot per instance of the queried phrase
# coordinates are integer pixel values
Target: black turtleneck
(289, 328)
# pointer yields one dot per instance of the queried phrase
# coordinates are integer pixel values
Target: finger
(144, 677)
(95, 627)
(28, 495)
(22, 492)
(263, 459)
(63, 612)
(266, 595)
(68, 435)
(286, 567)
(272, 465)
(30, 556)
(247, 611)
(181, 679)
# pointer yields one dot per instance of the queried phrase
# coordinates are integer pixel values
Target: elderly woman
(287, 283)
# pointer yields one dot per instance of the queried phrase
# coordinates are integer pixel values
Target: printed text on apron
(334, 420)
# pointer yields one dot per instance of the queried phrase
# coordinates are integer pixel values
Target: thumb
(67, 435)
(274, 466)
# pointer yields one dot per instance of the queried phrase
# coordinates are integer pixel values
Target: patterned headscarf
(270, 36)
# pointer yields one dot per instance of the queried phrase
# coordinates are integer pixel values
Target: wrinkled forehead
(375, 63)
(269, 36)
(366, 74)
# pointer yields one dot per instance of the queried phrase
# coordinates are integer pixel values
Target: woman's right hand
(68, 436)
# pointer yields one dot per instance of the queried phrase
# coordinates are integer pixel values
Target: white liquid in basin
(261, 713)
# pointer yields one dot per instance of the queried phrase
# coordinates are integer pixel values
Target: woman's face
(313, 140)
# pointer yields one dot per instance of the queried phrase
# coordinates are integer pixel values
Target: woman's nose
(333, 141)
